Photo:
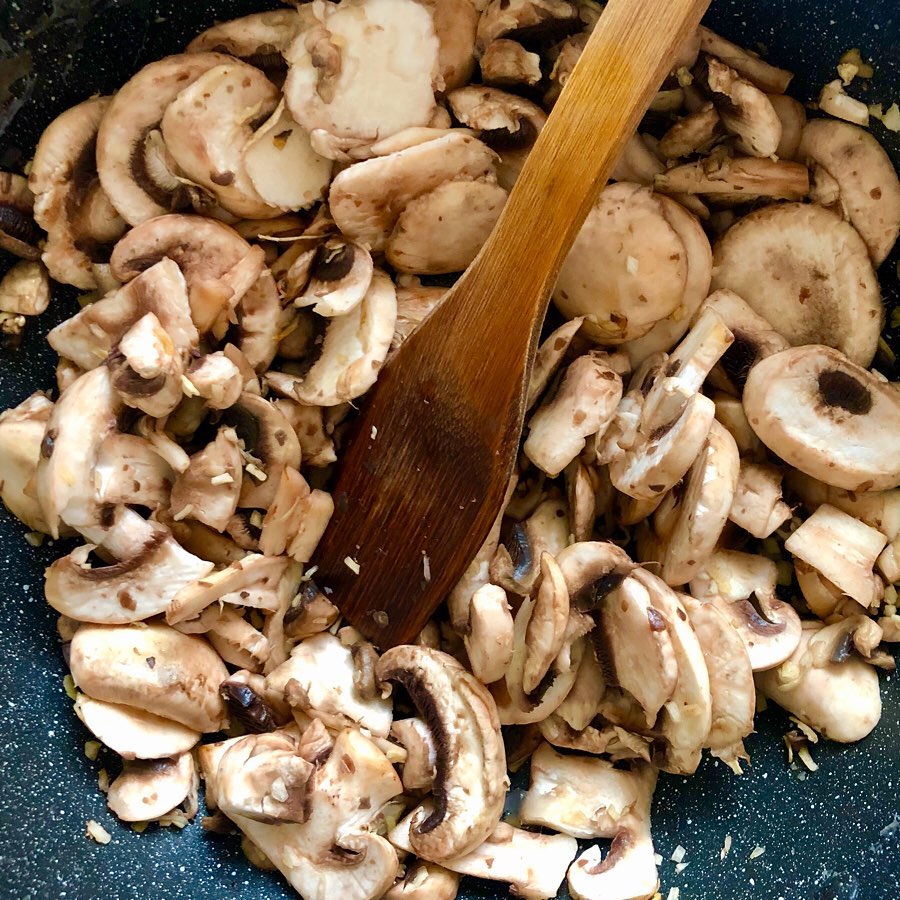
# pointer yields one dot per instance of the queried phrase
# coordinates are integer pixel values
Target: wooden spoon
(427, 466)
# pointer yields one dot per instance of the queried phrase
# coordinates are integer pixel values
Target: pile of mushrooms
(707, 503)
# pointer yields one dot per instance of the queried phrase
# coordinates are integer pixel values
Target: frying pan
(833, 834)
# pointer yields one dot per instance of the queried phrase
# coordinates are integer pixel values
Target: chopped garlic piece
(96, 832)
(351, 564)
(678, 854)
(756, 852)
(726, 847)
(224, 478)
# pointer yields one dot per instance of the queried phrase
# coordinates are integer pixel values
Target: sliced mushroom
(580, 707)
(757, 506)
(66, 190)
(824, 598)
(489, 639)
(233, 637)
(425, 881)
(415, 302)
(825, 415)
(627, 871)
(732, 690)
(793, 121)
(315, 512)
(836, 102)
(843, 550)
(764, 75)
(147, 789)
(533, 864)
(583, 405)
(340, 275)
(328, 850)
(470, 770)
(22, 430)
(694, 133)
(839, 699)
(461, 213)
(728, 580)
(366, 199)
(311, 612)
(527, 21)
(154, 668)
(549, 357)
(385, 46)
(730, 412)
(869, 190)
(545, 631)
(132, 161)
(751, 178)
(506, 62)
(18, 233)
(134, 733)
(216, 379)
(418, 741)
(808, 273)
(455, 24)
(25, 289)
(308, 422)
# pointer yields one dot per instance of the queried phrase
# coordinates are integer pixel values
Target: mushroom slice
(315, 513)
(843, 550)
(533, 864)
(154, 668)
(25, 289)
(506, 62)
(148, 789)
(315, 437)
(757, 506)
(208, 126)
(64, 180)
(621, 283)
(91, 333)
(235, 639)
(252, 581)
(129, 590)
(84, 415)
(764, 75)
(824, 598)
(367, 198)
(443, 230)
(22, 430)
(18, 233)
(489, 640)
(627, 872)
(130, 156)
(808, 273)
(311, 612)
(793, 121)
(825, 415)
(701, 508)
(549, 357)
(216, 379)
(752, 178)
(527, 21)
(583, 405)
(328, 850)
(508, 124)
(365, 71)
(836, 102)
(415, 302)
(269, 441)
(728, 580)
(134, 733)
(580, 707)
(354, 348)
(319, 678)
(340, 275)
(546, 629)
(470, 770)
(839, 699)
(285, 515)
(208, 489)
(744, 110)
(732, 690)
(418, 741)
(426, 881)
(694, 133)
(686, 718)
(869, 190)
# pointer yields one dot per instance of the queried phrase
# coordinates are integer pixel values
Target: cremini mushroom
(839, 699)
(386, 45)
(154, 668)
(764, 75)
(22, 431)
(758, 507)
(470, 769)
(505, 62)
(25, 289)
(324, 847)
(808, 273)
(533, 864)
(134, 166)
(134, 733)
(18, 232)
(843, 550)
(584, 404)
(147, 789)
(627, 871)
(769, 628)
(455, 23)
(869, 190)
(421, 753)
(489, 638)
(69, 202)
(826, 416)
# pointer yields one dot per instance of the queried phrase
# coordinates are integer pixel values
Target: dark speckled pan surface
(834, 834)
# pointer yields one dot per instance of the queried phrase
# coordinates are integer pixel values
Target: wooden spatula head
(433, 448)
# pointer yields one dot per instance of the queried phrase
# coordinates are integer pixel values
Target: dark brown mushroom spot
(18, 224)
(657, 622)
(246, 424)
(843, 649)
(661, 431)
(621, 844)
(739, 358)
(123, 567)
(48, 442)
(518, 547)
(756, 622)
(223, 179)
(345, 856)
(248, 707)
(838, 389)
(126, 381)
(333, 261)
(503, 139)
(594, 593)
(126, 601)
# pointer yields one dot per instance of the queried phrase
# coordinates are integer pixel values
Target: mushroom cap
(808, 273)
(112, 663)
(340, 274)
(470, 780)
(507, 62)
(627, 871)
(148, 789)
(455, 24)
(136, 110)
(826, 416)
(366, 71)
(489, 641)
(22, 432)
(25, 289)
(627, 268)
(134, 733)
(793, 120)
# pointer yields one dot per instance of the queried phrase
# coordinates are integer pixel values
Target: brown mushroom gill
(842, 391)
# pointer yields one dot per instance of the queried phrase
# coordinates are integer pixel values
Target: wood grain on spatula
(431, 454)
